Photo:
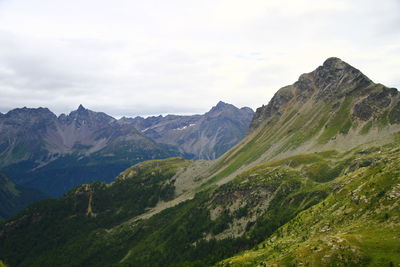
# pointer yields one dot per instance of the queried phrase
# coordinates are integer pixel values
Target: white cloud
(149, 57)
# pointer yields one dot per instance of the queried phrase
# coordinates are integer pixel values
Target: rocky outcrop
(86, 146)
(375, 103)
(204, 136)
(82, 146)
(333, 107)
(331, 83)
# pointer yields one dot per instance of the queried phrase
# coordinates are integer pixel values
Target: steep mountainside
(333, 204)
(53, 154)
(333, 107)
(358, 224)
(14, 198)
(204, 136)
(357, 192)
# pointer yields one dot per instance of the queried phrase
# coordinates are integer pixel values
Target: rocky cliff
(204, 136)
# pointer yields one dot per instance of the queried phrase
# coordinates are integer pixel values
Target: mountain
(204, 136)
(54, 154)
(314, 183)
(333, 107)
(356, 224)
(14, 198)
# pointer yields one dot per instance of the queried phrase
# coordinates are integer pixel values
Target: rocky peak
(221, 107)
(84, 116)
(247, 110)
(222, 104)
(332, 81)
(277, 102)
(29, 117)
(29, 111)
(82, 110)
(335, 79)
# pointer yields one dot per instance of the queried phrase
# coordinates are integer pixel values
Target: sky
(129, 58)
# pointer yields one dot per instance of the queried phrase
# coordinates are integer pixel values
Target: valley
(315, 182)
(54, 154)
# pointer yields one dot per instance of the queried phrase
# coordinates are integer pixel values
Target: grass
(288, 132)
(356, 225)
(340, 123)
(365, 129)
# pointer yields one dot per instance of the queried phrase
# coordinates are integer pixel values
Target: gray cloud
(152, 57)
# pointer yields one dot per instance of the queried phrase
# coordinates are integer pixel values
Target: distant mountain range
(315, 182)
(203, 136)
(54, 154)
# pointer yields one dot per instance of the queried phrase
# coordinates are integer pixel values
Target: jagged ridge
(204, 136)
(356, 186)
(335, 106)
(53, 154)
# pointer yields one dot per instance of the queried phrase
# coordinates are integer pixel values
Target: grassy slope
(214, 225)
(308, 126)
(261, 197)
(217, 223)
(357, 224)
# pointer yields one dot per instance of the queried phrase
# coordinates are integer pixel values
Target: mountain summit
(85, 146)
(204, 136)
(333, 107)
(314, 183)
(80, 147)
(334, 80)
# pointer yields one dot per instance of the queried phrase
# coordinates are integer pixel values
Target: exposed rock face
(83, 146)
(86, 146)
(333, 107)
(279, 100)
(290, 191)
(335, 79)
(374, 103)
(204, 136)
(21, 131)
(84, 131)
(331, 82)
(394, 114)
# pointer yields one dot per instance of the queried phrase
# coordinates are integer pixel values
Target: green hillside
(315, 183)
(13, 197)
(356, 225)
(217, 223)
(333, 107)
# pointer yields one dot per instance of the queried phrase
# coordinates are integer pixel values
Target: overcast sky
(183, 56)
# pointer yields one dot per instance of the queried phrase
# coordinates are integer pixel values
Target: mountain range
(205, 136)
(54, 154)
(315, 182)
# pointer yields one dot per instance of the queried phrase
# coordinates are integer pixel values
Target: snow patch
(184, 127)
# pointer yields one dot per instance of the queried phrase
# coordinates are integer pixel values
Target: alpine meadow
(315, 182)
(213, 133)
